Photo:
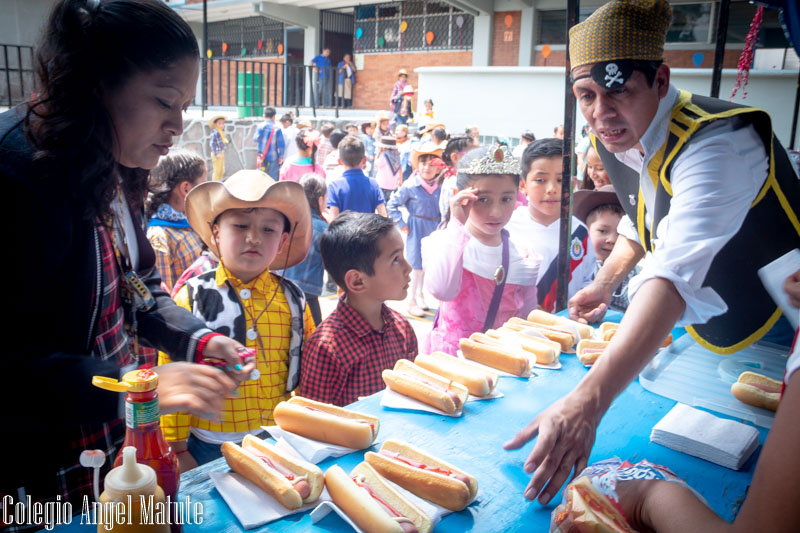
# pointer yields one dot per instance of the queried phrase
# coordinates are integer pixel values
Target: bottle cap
(143, 380)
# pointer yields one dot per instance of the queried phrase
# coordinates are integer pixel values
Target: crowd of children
(389, 213)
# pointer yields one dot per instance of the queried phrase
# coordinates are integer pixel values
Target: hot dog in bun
(490, 352)
(326, 423)
(476, 379)
(588, 351)
(424, 475)
(565, 337)
(292, 482)
(545, 350)
(757, 390)
(372, 504)
(425, 386)
(538, 316)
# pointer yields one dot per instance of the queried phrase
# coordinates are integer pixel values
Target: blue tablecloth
(474, 443)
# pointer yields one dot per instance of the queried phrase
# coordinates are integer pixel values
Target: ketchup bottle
(143, 430)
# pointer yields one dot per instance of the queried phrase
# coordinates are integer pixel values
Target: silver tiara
(496, 161)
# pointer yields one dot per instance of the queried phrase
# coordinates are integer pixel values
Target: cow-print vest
(222, 312)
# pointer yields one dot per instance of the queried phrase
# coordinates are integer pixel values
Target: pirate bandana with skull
(611, 74)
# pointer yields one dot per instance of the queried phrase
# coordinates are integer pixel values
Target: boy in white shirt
(538, 222)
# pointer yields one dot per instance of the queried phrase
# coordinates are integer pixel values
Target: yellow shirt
(253, 407)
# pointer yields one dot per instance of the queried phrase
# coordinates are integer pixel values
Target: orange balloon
(429, 37)
(508, 20)
(280, 49)
(224, 47)
(546, 50)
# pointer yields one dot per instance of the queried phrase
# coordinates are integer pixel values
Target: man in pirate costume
(706, 188)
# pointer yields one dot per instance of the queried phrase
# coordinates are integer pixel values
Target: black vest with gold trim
(770, 229)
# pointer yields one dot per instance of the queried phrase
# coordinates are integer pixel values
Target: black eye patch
(612, 74)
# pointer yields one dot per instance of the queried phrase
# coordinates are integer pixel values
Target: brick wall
(505, 41)
(376, 79)
(673, 58)
(226, 72)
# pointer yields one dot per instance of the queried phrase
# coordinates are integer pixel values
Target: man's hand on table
(589, 304)
(566, 432)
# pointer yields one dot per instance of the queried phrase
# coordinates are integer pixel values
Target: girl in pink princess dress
(481, 276)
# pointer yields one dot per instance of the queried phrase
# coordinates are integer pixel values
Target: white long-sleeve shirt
(714, 180)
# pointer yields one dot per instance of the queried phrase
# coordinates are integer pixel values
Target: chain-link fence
(16, 74)
(413, 25)
(246, 37)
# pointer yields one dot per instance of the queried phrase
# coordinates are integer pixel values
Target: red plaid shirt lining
(345, 356)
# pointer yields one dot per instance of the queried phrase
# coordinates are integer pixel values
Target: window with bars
(246, 37)
(691, 23)
(412, 25)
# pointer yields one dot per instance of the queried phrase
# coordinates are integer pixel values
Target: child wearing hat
(399, 85)
(217, 143)
(420, 196)
(601, 211)
(253, 224)
(402, 108)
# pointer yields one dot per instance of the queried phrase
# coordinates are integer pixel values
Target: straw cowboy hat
(381, 116)
(365, 125)
(213, 119)
(247, 189)
(432, 126)
(387, 141)
(402, 72)
(428, 148)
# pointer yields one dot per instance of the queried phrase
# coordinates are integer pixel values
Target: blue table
(474, 443)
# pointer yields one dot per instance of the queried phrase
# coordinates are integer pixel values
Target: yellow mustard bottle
(126, 488)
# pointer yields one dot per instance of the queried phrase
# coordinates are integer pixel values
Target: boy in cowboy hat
(253, 224)
(601, 211)
(217, 143)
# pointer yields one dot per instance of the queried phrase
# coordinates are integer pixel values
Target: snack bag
(590, 503)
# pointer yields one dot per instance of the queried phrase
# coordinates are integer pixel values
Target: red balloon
(260, 44)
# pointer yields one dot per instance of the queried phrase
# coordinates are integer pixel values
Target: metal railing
(253, 85)
(17, 83)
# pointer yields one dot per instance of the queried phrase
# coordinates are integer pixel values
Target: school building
(496, 63)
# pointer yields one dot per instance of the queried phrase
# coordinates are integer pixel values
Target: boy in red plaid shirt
(344, 357)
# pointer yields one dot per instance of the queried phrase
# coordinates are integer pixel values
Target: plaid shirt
(325, 147)
(253, 406)
(176, 249)
(345, 356)
(217, 146)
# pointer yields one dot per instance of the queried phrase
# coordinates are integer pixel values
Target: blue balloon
(697, 59)
(359, 33)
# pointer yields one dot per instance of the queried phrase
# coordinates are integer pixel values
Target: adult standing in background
(346, 79)
(271, 144)
(525, 139)
(322, 64)
(702, 212)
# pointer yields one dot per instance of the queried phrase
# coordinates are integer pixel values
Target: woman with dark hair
(114, 77)
(175, 243)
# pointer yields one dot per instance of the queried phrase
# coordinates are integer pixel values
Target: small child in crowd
(252, 223)
(217, 143)
(367, 129)
(175, 244)
(351, 129)
(388, 172)
(428, 115)
(307, 141)
(331, 166)
(308, 274)
(457, 147)
(595, 175)
(601, 211)
(346, 355)
(464, 263)
(325, 147)
(420, 196)
(538, 222)
(354, 191)
(403, 142)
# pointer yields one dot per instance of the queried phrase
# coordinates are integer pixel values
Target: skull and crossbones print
(613, 75)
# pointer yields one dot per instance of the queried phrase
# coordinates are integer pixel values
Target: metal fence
(17, 83)
(252, 85)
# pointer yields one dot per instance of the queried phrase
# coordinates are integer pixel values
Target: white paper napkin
(311, 450)
(251, 505)
(434, 512)
(725, 442)
(395, 400)
(491, 396)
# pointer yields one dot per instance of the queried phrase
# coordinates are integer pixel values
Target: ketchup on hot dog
(416, 464)
(301, 485)
(407, 525)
